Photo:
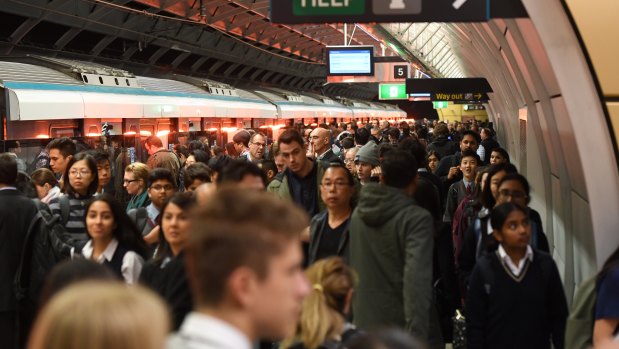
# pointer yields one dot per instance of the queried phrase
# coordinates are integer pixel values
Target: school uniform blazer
(16, 213)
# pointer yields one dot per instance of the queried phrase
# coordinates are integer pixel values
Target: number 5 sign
(400, 71)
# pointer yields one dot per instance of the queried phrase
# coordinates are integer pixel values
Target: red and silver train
(47, 98)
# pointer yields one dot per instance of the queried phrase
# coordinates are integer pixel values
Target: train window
(56, 132)
(101, 80)
(116, 81)
(85, 78)
(147, 130)
(127, 81)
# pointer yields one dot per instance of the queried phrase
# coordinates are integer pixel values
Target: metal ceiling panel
(20, 72)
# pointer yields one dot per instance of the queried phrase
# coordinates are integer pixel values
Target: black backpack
(47, 242)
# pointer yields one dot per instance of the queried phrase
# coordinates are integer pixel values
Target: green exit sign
(440, 105)
(327, 7)
(392, 91)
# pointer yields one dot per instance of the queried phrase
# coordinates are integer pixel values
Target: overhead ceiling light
(177, 48)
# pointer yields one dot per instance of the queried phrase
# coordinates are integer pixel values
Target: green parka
(391, 244)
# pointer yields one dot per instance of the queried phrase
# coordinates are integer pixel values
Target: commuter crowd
(377, 235)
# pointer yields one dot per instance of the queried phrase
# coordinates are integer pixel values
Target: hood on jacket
(441, 141)
(379, 203)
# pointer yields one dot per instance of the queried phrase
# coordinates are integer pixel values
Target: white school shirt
(132, 262)
(516, 269)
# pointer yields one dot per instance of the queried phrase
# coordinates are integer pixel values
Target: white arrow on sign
(458, 3)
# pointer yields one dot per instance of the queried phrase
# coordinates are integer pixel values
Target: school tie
(469, 191)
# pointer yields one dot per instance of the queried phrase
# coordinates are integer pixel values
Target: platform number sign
(400, 71)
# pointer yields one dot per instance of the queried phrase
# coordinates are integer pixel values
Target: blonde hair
(321, 314)
(101, 315)
(139, 170)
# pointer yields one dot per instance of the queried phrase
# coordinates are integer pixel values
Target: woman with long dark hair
(432, 160)
(114, 240)
(165, 274)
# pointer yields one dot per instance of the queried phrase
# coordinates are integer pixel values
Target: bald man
(320, 142)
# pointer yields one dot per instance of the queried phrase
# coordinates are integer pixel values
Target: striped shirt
(76, 225)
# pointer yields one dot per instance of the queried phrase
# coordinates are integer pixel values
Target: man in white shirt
(244, 265)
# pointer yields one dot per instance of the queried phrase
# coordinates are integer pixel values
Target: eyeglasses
(349, 161)
(514, 194)
(259, 145)
(127, 181)
(162, 187)
(337, 184)
(81, 173)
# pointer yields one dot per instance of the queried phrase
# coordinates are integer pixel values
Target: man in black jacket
(329, 229)
(16, 213)
(442, 144)
(321, 145)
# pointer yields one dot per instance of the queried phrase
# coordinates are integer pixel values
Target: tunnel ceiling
(233, 41)
(432, 44)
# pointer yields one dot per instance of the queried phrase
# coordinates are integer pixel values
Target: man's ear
(241, 285)
(270, 174)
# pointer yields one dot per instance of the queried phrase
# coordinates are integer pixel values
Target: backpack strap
(139, 216)
(65, 208)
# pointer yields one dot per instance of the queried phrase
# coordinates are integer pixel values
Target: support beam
(179, 59)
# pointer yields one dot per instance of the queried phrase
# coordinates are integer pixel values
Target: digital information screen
(351, 62)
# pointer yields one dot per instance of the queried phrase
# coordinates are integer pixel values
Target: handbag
(459, 336)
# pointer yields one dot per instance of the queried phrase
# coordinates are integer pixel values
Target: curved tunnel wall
(549, 116)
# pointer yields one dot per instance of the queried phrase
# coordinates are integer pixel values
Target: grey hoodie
(391, 244)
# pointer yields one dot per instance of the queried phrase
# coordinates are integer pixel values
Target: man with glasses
(161, 186)
(329, 229)
(257, 146)
(349, 160)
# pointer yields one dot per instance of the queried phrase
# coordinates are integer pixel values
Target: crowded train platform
(309, 174)
(422, 232)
